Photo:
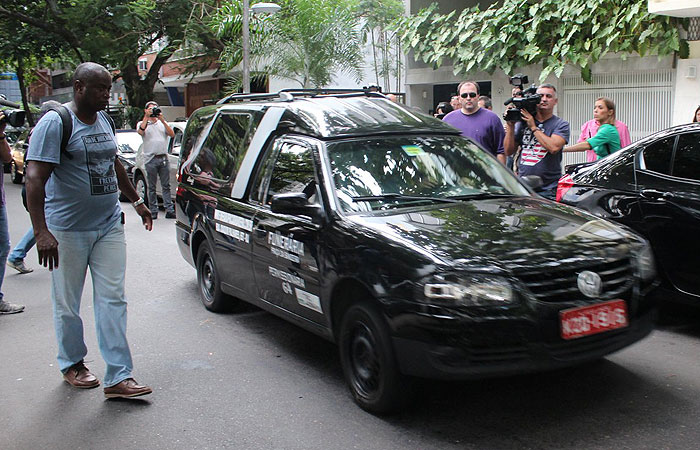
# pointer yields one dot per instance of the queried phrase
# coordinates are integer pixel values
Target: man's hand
(529, 120)
(47, 246)
(145, 214)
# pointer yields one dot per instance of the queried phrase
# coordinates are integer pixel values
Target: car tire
(14, 175)
(209, 283)
(368, 361)
(141, 187)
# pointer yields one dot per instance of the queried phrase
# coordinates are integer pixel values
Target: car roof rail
(287, 95)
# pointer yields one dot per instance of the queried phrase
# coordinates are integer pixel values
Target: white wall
(687, 94)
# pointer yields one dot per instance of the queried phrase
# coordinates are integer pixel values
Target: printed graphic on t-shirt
(100, 151)
(532, 151)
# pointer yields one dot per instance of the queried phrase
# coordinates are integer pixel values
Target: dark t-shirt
(534, 158)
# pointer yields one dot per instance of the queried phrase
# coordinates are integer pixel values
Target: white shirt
(155, 141)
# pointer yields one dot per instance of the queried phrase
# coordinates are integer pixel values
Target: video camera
(14, 116)
(528, 101)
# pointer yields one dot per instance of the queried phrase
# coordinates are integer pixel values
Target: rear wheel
(368, 361)
(210, 293)
(16, 176)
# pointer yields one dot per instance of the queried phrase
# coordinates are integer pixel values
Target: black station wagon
(383, 230)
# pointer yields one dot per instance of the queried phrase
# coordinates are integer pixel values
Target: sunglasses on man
(468, 94)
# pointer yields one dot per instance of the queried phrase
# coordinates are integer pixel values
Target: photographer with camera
(540, 136)
(6, 157)
(155, 132)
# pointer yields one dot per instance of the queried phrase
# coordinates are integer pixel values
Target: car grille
(560, 284)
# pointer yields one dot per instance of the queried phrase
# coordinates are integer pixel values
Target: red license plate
(587, 320)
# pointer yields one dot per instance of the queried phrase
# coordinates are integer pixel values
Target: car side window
(176, 142)
(657, 156)
(289, 170)
(223, 148)
(687, 158)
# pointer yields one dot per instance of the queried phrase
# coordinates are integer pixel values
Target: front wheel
(368, 361)
(210, 293)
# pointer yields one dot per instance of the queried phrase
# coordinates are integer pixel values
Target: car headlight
(471, 290)
(645, 262)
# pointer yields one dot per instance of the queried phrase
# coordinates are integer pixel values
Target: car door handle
(653, 194)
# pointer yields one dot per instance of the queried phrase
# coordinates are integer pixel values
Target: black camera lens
(155, 111)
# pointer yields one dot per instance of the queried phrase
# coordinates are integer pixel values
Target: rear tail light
(565, 183)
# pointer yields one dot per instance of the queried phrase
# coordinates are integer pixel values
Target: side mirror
(534, 181)
(297, 204)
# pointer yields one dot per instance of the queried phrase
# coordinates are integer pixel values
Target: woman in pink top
(590, 128)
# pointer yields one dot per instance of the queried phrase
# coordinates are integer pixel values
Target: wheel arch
(345, 293)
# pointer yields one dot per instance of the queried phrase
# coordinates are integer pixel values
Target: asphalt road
(252, 381)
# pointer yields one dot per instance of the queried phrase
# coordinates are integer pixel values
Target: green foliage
(110, 32)
(306, 41)
(554, 33)
(378, 16)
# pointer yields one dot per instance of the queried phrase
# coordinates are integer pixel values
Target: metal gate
(644, 102)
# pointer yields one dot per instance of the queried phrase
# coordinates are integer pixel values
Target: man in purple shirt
(480, 124)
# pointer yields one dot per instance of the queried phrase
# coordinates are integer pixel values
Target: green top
(605, 141)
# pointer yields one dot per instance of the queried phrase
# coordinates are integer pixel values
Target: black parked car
(415, 250)
(652, 186)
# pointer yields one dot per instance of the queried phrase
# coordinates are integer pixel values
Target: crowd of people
(533, 145)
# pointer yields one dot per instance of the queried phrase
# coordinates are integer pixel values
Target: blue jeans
(4, 244)
(104, 252)
(159, 167)
(23, 246)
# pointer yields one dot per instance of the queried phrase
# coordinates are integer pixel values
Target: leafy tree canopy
(110, 32)
(555, 33)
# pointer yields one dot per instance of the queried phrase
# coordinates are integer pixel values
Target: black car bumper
(510, 347)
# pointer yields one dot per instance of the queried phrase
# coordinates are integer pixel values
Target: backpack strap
(67, 130)
(111, 122)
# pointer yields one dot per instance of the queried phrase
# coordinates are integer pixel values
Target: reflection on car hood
(506, 233)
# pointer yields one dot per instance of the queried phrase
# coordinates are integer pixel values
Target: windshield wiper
(395, 196)
(479, 196)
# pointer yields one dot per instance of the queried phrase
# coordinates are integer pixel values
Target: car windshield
(129, 141)
(382, 173)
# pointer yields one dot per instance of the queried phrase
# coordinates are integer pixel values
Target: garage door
(644, 102)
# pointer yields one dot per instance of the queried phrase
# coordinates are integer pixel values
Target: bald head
(91, 86)
(88, 71)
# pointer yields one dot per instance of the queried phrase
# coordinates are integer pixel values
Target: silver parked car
(136, 168)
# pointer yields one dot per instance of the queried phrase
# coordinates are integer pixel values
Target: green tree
(22, 52)
(113, 32)
(306, 41)
(554, 33)
(378, 16)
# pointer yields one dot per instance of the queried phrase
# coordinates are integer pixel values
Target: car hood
(502, 233)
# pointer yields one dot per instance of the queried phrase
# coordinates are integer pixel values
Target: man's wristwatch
(138, 202)
(3, 135)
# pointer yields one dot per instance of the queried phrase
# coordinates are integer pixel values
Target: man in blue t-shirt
(73, 200)
(541, 139)
(475, 122)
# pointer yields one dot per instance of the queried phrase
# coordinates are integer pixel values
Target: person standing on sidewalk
(73, 200)
(155, 132)
(6, 157)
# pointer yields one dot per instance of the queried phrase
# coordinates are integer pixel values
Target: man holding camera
(155, 132)
(480, 124)
(541, 139)
(5, 156)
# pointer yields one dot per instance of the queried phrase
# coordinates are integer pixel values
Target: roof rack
(287, 95)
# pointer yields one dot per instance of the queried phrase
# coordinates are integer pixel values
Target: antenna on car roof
(291, 94)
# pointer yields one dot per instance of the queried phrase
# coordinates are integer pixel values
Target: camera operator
(6, 157)
(541, 139)
(155, 132)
